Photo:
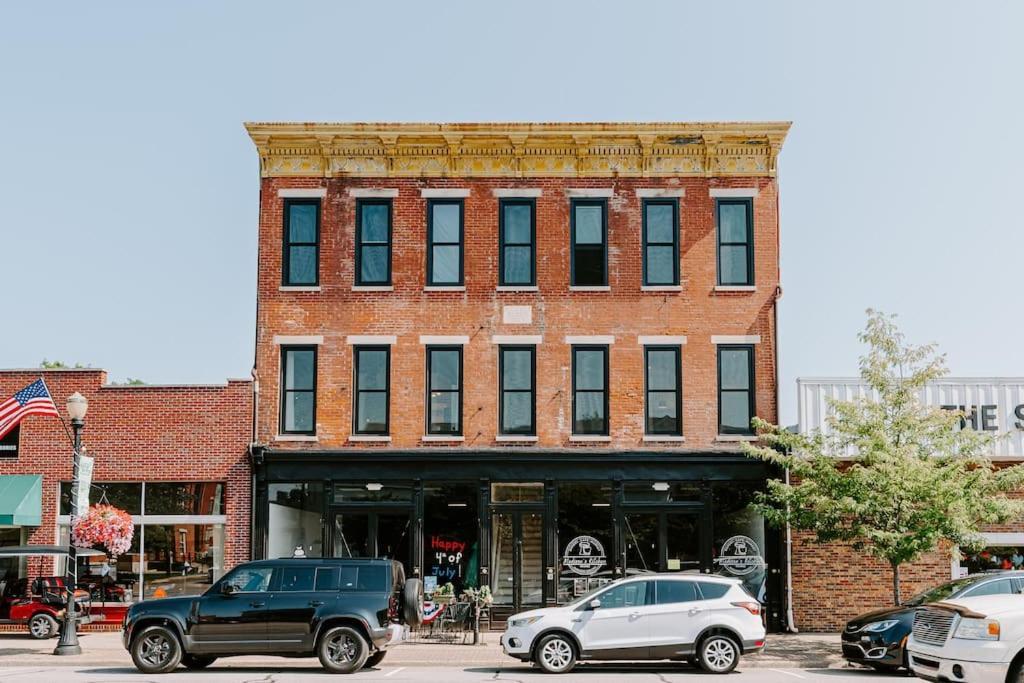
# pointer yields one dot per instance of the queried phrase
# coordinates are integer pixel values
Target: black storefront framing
(491, 517)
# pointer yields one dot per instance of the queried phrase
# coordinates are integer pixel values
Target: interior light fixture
(374, 487)
(660, 486)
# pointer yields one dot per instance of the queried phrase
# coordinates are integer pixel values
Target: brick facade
(141, 433)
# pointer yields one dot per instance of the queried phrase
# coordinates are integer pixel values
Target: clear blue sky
(129, 188)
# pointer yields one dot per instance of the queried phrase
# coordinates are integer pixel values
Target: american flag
(32, 400)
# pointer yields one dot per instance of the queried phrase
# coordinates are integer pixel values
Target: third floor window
(444, 242)
(589, 243)
(301, 242)
(735, 242)
(517, 236)
(373, 242)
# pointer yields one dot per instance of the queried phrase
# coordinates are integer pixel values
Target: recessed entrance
(517, 558)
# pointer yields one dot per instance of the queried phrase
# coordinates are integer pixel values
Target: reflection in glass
(295, 519)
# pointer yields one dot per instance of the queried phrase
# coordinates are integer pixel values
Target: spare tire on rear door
(412, 602)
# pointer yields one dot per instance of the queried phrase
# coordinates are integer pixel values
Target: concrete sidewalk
(796, 651)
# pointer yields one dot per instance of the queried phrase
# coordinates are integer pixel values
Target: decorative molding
(517, 150)
(296, 339)
(517, 192)
(442, 339)
(656, 192)
(589, 339)
(517, 339)
(373, 192)
(656, 339)
(302, 192)
(734, 192)
(735, 339)
(445, 192)
(371, 340)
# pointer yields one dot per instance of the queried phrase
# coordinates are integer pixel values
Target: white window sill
(512, 438)
(655, 438)
(735, 437)
(439, 288)
(298, 288)
(442, 437)
(296, 437)
(581, 288)
(661, 288)
(373, 288)
(736, 288)
(369, 437)
(595, 438)
(518, 288)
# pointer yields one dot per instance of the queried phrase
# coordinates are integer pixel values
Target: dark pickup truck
(346, 611)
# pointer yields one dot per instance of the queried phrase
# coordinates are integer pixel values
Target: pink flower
(104, 525)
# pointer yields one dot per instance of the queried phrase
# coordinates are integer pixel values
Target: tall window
(444, 390)
(663, 379)
(735, 389)
(517, 370)
(661, 242)
(301, 242)
(372, 371)
(298, 390)
(589, 243)
(735, 242)
(516, 227)
(590, 390)
(373, 242)
(444, 242)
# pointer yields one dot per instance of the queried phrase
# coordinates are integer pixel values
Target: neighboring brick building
(505, 261)
(175, 456)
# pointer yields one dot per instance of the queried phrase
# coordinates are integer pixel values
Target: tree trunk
(896, 584)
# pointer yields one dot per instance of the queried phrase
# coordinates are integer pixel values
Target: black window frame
(360, 243)
(287, 244)
(603, 203)
(678, 390)
(749, 243)
(460, 391)
(503, 243)
(749, 348)
(431, 203)
(532, 431)
(356, 391)
(604, 348)
(674, 203)
(285, 391)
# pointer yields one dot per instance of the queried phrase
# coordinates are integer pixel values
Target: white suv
(708, 620)
(969, 639)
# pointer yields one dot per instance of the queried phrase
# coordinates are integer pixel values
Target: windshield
(941, 592)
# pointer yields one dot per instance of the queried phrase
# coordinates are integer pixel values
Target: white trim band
(369, 437)
(735, 192)
(290, 339)
(445, 192)
(652, 192)
(302, 192)
(371, 339)
(517, 339)
(517, 192)
(442, 339)
(735, 339)
(596, 192)
(666, 339)
(297, 288)
(590, 339)
(373, 192)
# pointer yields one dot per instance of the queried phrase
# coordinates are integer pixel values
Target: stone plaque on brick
(517, 315)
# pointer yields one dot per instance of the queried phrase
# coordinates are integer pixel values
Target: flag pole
(59, 416)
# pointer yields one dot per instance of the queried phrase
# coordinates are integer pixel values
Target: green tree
(59, 365)
(911, 476)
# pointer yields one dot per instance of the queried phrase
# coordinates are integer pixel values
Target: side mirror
(594, 604)
(228, 588)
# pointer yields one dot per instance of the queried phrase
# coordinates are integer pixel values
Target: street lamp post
(68, 645)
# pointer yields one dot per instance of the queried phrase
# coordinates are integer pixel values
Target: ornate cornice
(517, 150)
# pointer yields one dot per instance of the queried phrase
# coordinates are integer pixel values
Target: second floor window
(735, 389)
(590, 390)
(298, 390)
(373, 242)
(444, 242)
(517, 373)
(372, 370)
(301, 242)
(735, 242)
(661, 242)
(444, 390)
(662, 381)
(589, 244)
(516, 264)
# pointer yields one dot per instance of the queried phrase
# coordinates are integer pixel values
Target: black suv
(344, 611)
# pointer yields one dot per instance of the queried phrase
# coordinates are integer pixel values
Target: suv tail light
(752, 607)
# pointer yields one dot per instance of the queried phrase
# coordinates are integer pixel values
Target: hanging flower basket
(105, 525)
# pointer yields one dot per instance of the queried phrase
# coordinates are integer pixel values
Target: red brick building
(517, 355)
(175, 457)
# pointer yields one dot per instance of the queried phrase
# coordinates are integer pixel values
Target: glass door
(662, 541)
(517, 558)
(360, 533)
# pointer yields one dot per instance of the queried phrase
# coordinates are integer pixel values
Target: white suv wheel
(555, 654)
(718, 654)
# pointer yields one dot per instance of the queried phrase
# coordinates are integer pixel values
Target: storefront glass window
(585, 538)
(295, 519)
(517, 493)
(661, 492)
(992, 558)
(739, 538)
(181, 559)
(127, 497)
(11, 567)
(451, 549)
(184, 498)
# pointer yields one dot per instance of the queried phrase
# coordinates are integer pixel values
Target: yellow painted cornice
(514, 150)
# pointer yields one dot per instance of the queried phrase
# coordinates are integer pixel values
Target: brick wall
(140, 433)
(698, 311)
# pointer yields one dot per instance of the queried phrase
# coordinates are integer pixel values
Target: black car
(877, 639)
(346, 611)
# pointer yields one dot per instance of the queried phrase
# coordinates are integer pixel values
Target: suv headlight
(879, 626)
(525, 621)
(977, 629)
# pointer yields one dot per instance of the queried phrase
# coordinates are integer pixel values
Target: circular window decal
(739, 556)
(584, 556)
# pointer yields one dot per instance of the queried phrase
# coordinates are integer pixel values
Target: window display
(739, 539)
(585, 538)
(451, 549)
(296, 519)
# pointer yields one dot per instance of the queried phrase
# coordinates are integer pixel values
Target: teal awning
(21, 499)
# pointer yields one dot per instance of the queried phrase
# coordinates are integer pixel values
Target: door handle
(256, 604)
(315, 603)
(634, 615)
(695, 610)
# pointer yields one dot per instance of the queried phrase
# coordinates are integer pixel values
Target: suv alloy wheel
(156, 650)
(342, 650)
(555, 654)
(718, 654)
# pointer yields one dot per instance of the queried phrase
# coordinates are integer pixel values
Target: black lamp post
(68, 645)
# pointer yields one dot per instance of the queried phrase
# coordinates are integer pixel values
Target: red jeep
(40, 604)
